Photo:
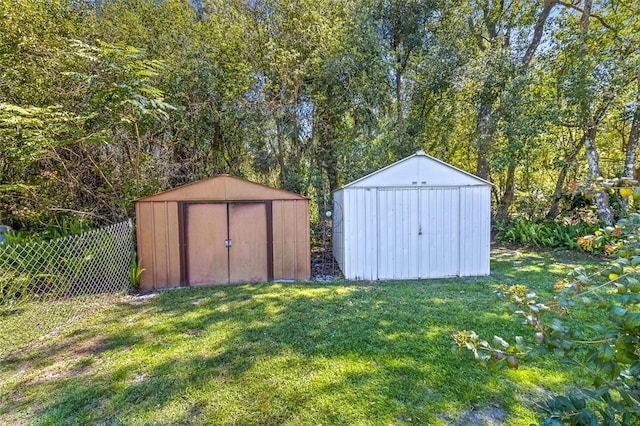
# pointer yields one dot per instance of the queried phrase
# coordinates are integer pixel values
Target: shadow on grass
(339, 353)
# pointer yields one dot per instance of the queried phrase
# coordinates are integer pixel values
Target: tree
(494, 27)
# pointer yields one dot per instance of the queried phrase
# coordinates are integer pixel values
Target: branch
(60, 209)
(602, 108)
(598, 17)
(480, 39)
(601, 286)
(537, 33)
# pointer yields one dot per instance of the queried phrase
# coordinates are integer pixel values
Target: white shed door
(418, 233)
(398, 223)
(440, 233)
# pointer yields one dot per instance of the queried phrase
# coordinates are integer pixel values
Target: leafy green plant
(605, 343)
(552, 234)
(135, 273)
(64, 228)
(14, 289)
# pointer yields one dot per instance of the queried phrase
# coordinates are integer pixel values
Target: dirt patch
(77, 359)
(92, 346)
(491, 415)
(137, 300)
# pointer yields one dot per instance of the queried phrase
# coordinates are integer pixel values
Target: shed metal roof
(420, 157)
(222, 188)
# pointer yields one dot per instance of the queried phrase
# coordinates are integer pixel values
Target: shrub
(552, 234)
(606, 345)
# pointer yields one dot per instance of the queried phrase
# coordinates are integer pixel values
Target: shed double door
(226, 243)
(418, 232)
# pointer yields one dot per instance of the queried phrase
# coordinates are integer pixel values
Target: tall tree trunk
(326, 135)
(634, 135)
(509, 193)
(487, 115)
(591, 126)
(280, 152)
(593, 159)
(399, 106)
(485, 136)
(557, 193)
(538, 31)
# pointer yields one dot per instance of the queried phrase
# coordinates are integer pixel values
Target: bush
(550, 234)
(50, 232)
(605, 343)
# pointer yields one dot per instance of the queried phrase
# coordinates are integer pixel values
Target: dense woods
(104, 102)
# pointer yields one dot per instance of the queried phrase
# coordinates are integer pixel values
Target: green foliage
(546, 234)
(103, 102)
(604, 343)
(135, 272)
(39, 269)
(65, 228)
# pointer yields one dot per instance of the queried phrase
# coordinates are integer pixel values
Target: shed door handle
(227, 243)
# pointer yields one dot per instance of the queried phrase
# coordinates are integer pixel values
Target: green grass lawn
(338, 353)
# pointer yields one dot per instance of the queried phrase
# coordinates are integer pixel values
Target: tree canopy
(103, 102)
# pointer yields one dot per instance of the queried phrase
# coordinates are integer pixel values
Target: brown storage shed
(222, 230)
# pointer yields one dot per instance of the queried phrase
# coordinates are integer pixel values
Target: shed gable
(223, 188)
(418, 170)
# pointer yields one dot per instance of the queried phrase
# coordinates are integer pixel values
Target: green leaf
(632, 322)
(500, 341)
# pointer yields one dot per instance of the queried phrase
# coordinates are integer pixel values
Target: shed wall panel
(173, 243)
(158, 244)
(278, 239)
(475, 230)
(360, 233)
(284, 254)
(398, 228)
(439, 222)
(350, 249)
(161, 277)
(302, 240)
(145, 234)
(248, 259)
(291, 249)
(207, 257)
(338, 228)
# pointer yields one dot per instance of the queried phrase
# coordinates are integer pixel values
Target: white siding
(440, 253)
(338, 228)
(418, 218)
(475, 230)
(398, 229)
(361, 238)
(417, 170)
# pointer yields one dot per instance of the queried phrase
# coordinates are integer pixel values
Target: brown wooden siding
(158, 244)
(163, 245)
(291, 250)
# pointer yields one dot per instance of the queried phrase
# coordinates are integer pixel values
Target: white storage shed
(417, 218)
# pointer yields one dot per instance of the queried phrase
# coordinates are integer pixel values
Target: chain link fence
(45, 285)
(324, 266)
